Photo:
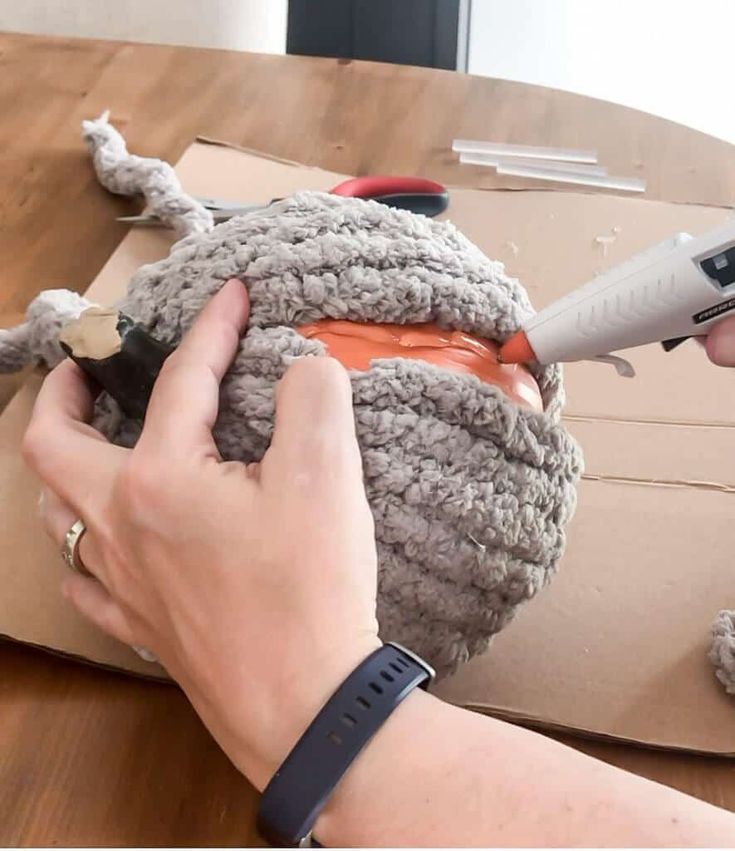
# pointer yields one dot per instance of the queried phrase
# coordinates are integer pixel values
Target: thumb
(315, 423)
(720, 343)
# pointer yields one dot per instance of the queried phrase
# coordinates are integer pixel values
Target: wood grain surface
(90, 757)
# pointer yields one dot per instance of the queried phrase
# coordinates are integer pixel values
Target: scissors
(416, 194)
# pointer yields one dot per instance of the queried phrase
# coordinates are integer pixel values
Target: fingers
(93, 602)
(720, 343)
(185, 400)
(88, 595)
(58, 517)
(71, 457)
(315, 422)
(66, 394)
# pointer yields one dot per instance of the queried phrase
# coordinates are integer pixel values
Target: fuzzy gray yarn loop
(722, 650)
(36, 340)
(470, 492)
(128, 174)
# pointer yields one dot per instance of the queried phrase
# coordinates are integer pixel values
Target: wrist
(343, 727)
(296, 697)
(386, 767)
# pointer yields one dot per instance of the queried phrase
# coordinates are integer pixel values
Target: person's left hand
(254, 585)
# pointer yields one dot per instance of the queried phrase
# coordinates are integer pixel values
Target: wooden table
(90, 757)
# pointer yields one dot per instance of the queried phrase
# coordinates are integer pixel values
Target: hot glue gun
(668, 293)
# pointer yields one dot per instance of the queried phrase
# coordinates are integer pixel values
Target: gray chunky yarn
(470, 492)
(36, 340)
(722, 651)
(128, 174)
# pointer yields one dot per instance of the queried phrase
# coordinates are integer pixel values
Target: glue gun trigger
(669, 345)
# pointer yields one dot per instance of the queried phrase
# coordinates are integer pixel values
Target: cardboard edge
(599, 192)
(538, 724)
(253, 152)
(657, 421)
(686, 484)
(87, 662)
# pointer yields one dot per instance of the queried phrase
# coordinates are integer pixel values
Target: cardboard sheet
(616, 646)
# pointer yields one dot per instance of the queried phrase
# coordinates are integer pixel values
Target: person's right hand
(720, 343)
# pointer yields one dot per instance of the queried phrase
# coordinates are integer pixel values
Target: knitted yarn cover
(470, 492)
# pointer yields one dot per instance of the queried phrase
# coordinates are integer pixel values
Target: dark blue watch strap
(302, 785)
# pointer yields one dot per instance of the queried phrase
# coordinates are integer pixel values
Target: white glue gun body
(672, 291)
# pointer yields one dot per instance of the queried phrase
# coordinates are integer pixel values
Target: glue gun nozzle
(516, 350)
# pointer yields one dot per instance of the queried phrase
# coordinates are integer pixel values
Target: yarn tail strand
(128, 174)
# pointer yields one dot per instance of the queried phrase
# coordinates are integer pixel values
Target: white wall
(672, 58)
(258, 25)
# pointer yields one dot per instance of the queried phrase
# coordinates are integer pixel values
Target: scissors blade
(219, 216)
(217, 205)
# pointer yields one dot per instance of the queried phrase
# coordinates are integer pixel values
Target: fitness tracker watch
(298, 791)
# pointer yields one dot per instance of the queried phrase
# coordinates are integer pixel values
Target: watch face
(356, 344)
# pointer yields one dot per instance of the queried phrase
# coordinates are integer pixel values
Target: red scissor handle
(407, 193)
(374, 185)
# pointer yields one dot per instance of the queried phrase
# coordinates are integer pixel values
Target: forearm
(438, 775)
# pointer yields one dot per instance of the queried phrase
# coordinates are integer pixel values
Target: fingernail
(144, 654)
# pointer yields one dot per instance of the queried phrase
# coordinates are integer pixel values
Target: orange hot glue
(355, 344)
(517, 350)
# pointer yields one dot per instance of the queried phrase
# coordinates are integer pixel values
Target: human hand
(254, 585)
(720, 343)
